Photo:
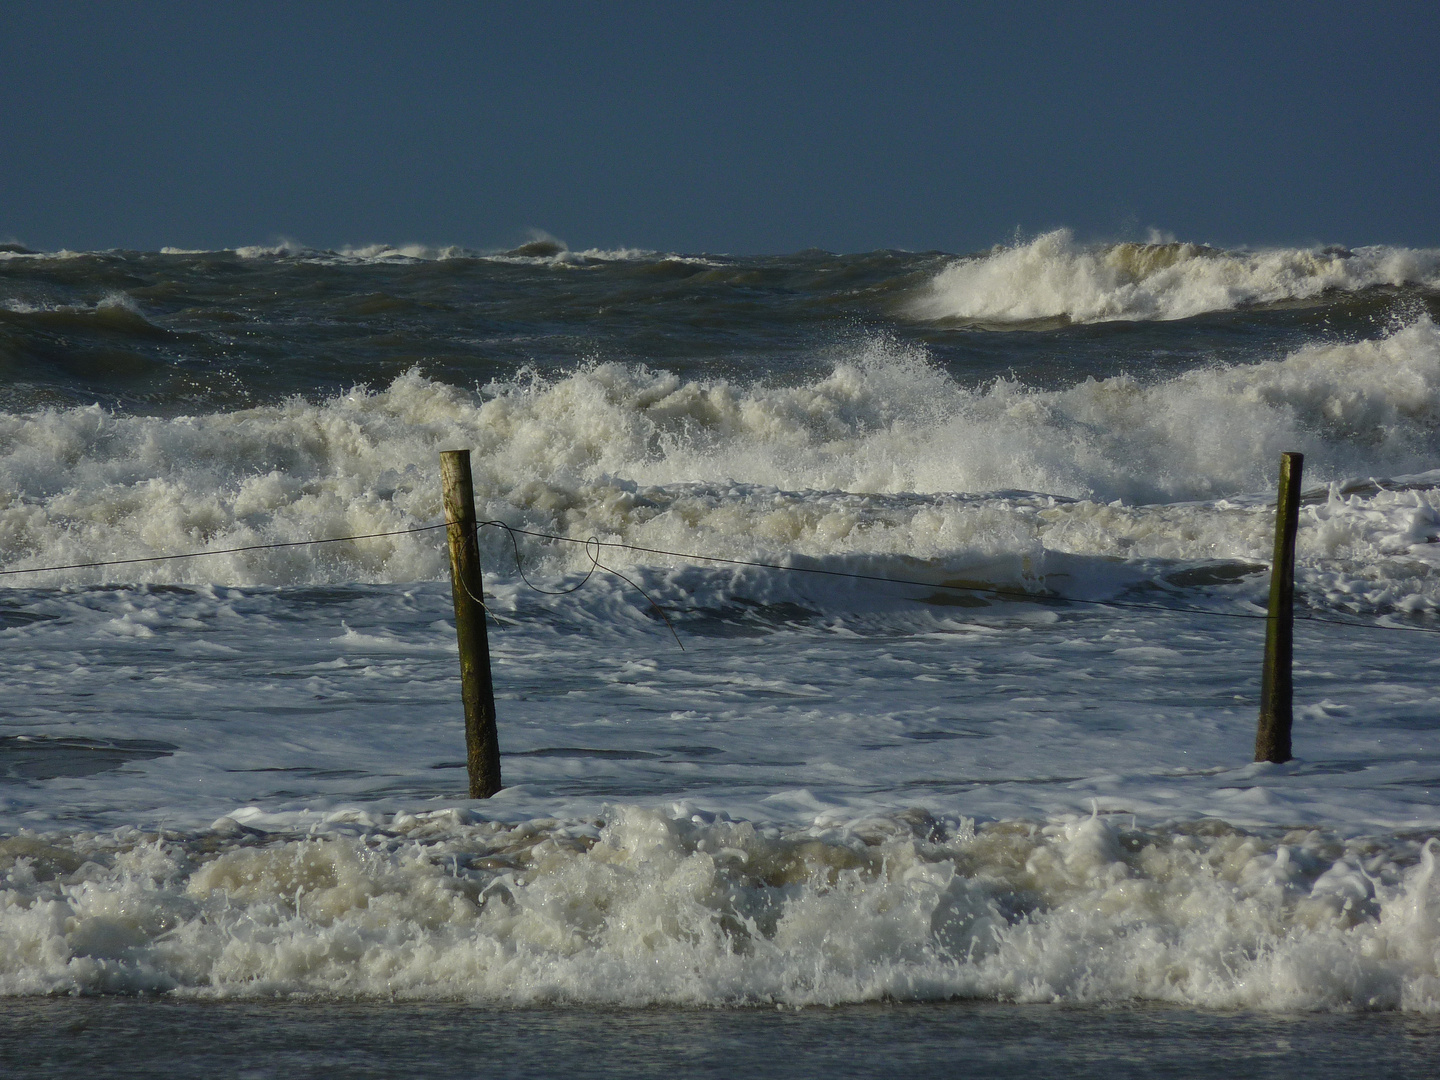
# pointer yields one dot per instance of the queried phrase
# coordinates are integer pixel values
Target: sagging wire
(592, 547)
(219, 551)
(989, 590)
(593, 544)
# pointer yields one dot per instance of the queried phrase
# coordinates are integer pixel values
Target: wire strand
(218, 551)
(595, 564)
(985, 589)
(512, 531)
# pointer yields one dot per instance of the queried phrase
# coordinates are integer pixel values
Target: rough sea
(977, 793)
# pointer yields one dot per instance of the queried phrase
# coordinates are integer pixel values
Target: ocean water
(995, 752)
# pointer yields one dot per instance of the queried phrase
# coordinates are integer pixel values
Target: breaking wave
(541, 250)
(884, 458)
(647, 906)
(1055, 278)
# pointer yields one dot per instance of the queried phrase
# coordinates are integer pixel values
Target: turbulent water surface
(996, 749)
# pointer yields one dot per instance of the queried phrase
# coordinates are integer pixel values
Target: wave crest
(1054, 278)
(870, 459)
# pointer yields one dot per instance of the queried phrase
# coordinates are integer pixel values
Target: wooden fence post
(1272, 733)
(482, 747)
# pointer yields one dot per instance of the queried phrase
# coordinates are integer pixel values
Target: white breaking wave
(542, 250)
(873, 460)
(63, 253)
(644, 906)
(112, 301)
(359, 255)
(1053, 277)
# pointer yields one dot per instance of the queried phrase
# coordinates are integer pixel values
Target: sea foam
(885, 456)
(643, 906)
(1055, 278)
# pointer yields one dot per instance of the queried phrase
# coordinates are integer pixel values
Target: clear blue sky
(738, 127)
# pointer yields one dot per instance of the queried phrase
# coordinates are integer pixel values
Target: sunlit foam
(883, 458)
(644, 906)
(1054, 277)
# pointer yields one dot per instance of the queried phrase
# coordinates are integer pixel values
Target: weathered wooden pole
(1272, 734)
(482, 747)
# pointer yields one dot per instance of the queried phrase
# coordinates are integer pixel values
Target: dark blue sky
(736, 127)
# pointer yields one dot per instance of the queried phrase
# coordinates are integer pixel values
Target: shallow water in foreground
(64, 1038)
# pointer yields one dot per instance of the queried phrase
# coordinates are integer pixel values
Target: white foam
(1054, 277)
(862, 464)
(644, 906)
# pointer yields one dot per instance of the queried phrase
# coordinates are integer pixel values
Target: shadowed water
(61, 1039)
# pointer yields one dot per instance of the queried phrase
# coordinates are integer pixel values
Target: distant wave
(116, 309)
(542, 250)
(1055, 278)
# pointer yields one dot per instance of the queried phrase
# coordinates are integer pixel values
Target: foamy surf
(642, 907)
(1053, 277)
(866, 467)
